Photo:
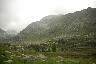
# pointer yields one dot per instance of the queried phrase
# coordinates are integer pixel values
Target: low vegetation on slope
(55, 39)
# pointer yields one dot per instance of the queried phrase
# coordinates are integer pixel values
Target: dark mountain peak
(2, 34)
(49, 17)
(1, 30)
(89, 8)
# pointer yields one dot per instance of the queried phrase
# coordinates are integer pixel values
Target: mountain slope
(5, 36)
(2, 34)
(79, 23)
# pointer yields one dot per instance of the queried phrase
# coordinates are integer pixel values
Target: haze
(17, 14)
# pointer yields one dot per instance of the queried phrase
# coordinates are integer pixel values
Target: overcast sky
(17, 14)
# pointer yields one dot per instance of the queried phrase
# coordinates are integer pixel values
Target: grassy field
(10, 55)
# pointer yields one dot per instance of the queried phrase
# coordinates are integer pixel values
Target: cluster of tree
(49, 46)
(75, 43)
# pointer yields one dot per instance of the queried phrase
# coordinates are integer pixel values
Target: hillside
(80, 23)
(5, 36)
(2, 34)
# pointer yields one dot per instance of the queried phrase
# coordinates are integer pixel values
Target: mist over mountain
(5, 35)
(72, 34)
(47, 32)
(80, 23)
(2, 33)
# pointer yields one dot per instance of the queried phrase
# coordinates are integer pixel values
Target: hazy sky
(17, 14)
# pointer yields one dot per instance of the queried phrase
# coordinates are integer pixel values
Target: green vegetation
(55, 39)
(18, 54)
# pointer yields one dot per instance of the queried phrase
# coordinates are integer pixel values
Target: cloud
(17, 14)
(7, 12)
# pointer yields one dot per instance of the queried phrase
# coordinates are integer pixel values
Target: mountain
(5, 36)
(12, 32)
(80, 23)
(72, 33)
(2, 34)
